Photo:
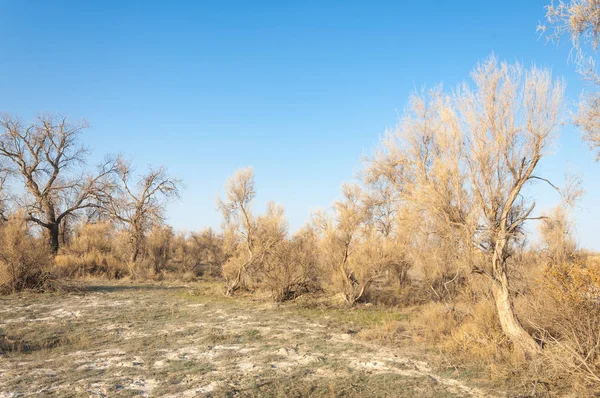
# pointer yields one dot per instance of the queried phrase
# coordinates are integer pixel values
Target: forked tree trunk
(353, 290)
(349, 292)
(136, 252)
(235, 284)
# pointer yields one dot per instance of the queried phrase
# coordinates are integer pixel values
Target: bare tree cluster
(47, 159)
(138, 203)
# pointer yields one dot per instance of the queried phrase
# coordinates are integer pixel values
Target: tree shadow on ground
(103, 288)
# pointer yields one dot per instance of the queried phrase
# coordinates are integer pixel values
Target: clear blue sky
(299, 90)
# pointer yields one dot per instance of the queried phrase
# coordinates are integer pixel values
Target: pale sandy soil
(181, 341)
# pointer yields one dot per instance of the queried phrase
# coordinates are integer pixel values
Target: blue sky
(298, 90)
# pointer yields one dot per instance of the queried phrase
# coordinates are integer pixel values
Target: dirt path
(130, 340)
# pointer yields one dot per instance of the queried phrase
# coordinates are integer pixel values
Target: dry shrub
(563, 305)
(24, 259)
(249, 240)
(354, 254)
(291, 269)
(158, 248)
(231, 270)
(96, 249)
(441, 262)
(567, 317)
(92, 263)
(171, 256)
(387, 294)
(469, 335)
(435, 322)
(189, 276)
(478, 337)
(205, 253)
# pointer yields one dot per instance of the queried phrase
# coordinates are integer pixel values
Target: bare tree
(556, 235)
(46, 156)
(420, 168)
(580, 20)
(208, 246)
(464, 160)
(139, 202)
(509, 120)
(249, 238)
(352, 246)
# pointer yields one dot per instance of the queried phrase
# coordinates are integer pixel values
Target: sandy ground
(179, 341)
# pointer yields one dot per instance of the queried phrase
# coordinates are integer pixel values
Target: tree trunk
(235, 285)
(136, 251)
(509, 322)
(53, 237)
(136, 240)
(64, 233)
(511, 326)
(349, 291)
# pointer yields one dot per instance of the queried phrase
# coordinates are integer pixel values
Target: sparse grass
(157, 339)
(354, 318)
(303, 383)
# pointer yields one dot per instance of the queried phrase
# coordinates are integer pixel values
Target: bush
(435, 322)
(96, 249)
(93, 263)
(158, 248)
(24, 259)
(290, 270)
(570, 323)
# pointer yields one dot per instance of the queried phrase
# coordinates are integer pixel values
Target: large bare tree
(579, 20)
(139, 201)
(509, 120)
(462, 161)
(47, 158)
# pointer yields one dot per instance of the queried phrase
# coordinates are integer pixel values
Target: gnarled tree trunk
(509, 322)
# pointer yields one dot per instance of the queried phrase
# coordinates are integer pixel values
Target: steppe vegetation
(421, 279)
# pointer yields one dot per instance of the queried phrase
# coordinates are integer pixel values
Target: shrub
(291, 268)
(570, 324)
(435, 322)
(93, 263)
(96, 249)
(158, 248)
(207, 253)
(24, 259)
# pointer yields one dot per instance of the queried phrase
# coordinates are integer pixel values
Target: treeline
(438, 219)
